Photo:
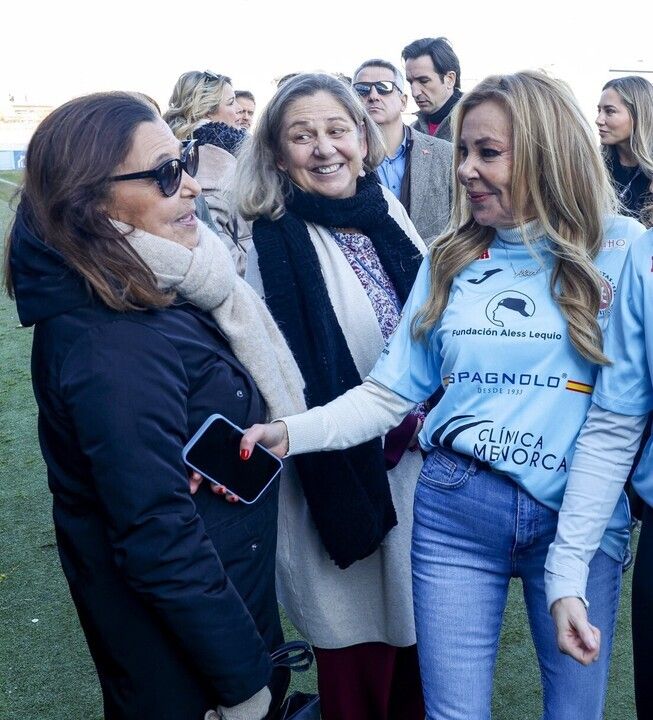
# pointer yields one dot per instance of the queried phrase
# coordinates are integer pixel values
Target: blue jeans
(475, 529)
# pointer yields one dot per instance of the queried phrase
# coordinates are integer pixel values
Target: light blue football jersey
(516, 391)
(626, 387)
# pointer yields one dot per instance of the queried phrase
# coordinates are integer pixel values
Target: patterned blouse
(361, 255)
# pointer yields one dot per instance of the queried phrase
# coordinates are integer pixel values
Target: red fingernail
(244, 454)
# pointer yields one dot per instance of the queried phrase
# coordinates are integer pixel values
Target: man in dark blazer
(417, 168)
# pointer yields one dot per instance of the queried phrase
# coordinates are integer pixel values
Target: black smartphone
(214, 451)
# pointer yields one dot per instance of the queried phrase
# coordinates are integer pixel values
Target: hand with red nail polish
(273, 436)
(194, 480)
(222, 491)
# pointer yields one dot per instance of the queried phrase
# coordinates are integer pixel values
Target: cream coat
(215, 175)
(371, 601)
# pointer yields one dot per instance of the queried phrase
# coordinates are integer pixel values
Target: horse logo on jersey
(506, 305)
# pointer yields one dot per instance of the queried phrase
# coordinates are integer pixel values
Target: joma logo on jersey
(485, 276)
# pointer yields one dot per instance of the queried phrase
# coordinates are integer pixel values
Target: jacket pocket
(445, 469)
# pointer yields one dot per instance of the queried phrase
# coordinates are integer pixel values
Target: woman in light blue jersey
(621, 403)
(506, 314)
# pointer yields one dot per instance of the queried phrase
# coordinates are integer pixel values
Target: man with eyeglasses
(433, 73)
(416, 168)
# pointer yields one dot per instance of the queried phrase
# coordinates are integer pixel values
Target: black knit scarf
(220, 134)
(439, 115)
(347, 491)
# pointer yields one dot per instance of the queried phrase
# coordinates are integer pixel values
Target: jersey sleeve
(590, 498)
(367, 411)
(624, 387)
(411, 367)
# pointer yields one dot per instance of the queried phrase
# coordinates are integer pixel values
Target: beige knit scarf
(206, 277)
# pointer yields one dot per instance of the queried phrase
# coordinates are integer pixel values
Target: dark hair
(245, 94)
(377, 62)
(69, 161)
(283, 80)
(441, 53)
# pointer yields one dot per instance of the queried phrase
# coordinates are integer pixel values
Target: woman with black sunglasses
(203, 106)
(142, 329)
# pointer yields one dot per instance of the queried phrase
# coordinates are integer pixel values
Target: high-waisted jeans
(474, 530)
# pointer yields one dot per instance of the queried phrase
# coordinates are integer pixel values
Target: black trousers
(642, 608)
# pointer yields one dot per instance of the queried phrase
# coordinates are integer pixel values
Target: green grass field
(14, 176)
(45, 669)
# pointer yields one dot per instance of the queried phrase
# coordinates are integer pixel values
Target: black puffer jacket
(175, 593)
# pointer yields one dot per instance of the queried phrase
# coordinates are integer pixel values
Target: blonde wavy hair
(195, 95)
(261, 187)
(637, 95)
(559, 178)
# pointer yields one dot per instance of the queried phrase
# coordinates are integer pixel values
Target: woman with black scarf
(337, 256)
(203, 107)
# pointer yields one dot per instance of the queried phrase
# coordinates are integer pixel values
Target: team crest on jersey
(485, 255)
(608, 290)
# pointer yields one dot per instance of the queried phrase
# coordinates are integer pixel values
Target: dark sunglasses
(212, 77)
(168, 175)
(383, 87)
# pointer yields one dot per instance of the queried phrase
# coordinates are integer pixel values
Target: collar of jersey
(530, 232)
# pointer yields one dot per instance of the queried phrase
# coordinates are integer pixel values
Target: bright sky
(52, 51)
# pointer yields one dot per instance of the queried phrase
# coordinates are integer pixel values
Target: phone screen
(215, 453)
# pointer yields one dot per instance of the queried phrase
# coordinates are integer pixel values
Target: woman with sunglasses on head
(336, 256)
(203, 107)
(625, 123)
(142, 329)
(505, 316)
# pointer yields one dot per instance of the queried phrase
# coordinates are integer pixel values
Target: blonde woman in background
(203, 107)
(506, 313)
(625, 123)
